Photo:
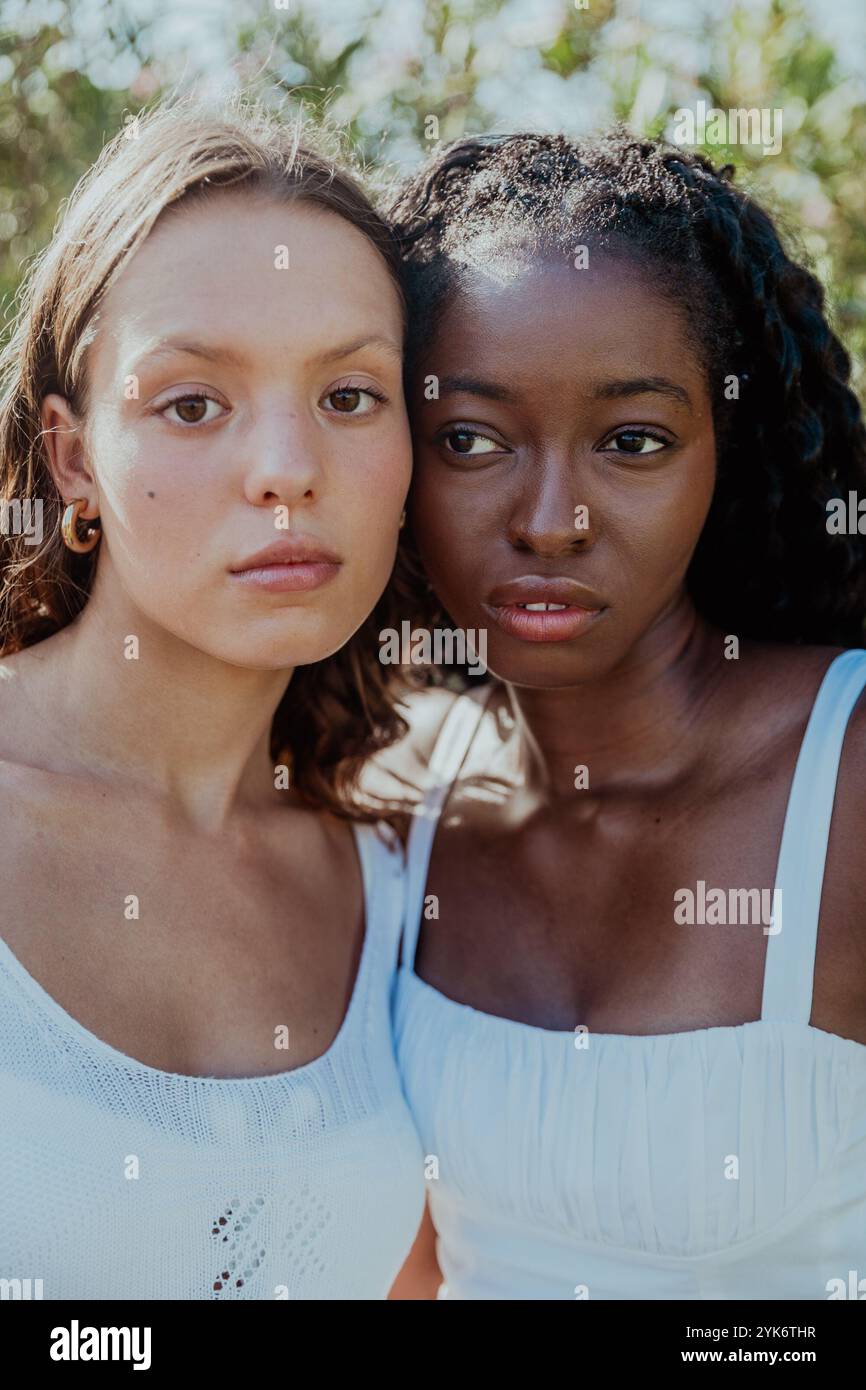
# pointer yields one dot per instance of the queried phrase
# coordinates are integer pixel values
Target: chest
(647, 916)
(560, 1156)
(122, 1185)
(228, 956)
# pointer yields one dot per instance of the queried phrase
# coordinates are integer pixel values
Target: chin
(288, 656)
(535, 680)
(542, 666)
(279, 652)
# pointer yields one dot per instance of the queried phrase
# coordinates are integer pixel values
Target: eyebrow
(609, 390)
(642, 386)
(172, 346)
(474, 386)
(389, 345)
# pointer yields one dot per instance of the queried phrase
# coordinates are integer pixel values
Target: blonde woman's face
(245, 392)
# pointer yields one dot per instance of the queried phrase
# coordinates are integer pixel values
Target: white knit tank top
(121, 1181)
(724, 1162)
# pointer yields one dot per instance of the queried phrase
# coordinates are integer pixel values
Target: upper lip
(292, 550)
(537, 588)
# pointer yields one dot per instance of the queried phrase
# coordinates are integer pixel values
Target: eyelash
(365, 390)
(644, 432)
(189, 396)
(472, 433)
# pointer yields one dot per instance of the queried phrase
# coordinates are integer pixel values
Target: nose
(551, 514)
(283, 457)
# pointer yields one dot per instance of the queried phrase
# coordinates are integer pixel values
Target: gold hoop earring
(69, 529)
(402, 518)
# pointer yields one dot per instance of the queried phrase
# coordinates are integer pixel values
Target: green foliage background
(71, 74)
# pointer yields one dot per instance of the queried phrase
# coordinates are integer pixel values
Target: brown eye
(633, 441)
(469, 442)
(191, 409)
(461, 441)
(345, 399)
(352, 400)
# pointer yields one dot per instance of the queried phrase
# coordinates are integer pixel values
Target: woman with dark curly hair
(637, 1065)
(198, 1091)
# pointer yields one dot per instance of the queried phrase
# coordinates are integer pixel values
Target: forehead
(252, 271)
(544, 319)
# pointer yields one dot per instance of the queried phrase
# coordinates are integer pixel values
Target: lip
(295, 564)
(582, 608)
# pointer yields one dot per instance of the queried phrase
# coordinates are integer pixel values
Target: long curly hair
(336, 712)
(791, 437)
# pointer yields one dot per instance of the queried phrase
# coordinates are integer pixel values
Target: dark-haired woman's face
(569, 461)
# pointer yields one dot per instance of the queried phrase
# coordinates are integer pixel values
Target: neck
(173, 721)
(631, 726)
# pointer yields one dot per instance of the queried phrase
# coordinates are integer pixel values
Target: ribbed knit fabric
(119, 1180)
(715, 1163)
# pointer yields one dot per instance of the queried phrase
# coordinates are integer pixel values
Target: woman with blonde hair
(203, 403)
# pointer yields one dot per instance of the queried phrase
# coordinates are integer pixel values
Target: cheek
(369, 493)
(691, 504)
(447, 523)
(156, 503)
(654, 524)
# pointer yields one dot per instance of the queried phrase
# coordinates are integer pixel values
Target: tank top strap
(452, 744)
(790, 959)
(383, 875)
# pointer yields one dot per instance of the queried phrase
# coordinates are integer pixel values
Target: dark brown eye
(345, 399)
(469, 442)
(630, 442)
(461, 441)
(191, 409)
(633, 442)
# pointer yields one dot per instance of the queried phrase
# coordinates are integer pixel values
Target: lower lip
(557, 626)
(288, 579)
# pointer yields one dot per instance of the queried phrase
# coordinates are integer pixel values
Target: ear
(62, 435)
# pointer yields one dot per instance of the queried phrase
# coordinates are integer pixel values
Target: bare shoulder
(770, 695)
(802, 670)
(318, 850)
(36, 809)
(27, 723)
(779, 696)
(21, 778)
(797, 674)
(841, 963)
(23, 801)
(787, 674)
(850, 805)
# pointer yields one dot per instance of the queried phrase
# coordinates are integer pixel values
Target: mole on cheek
(151, 494)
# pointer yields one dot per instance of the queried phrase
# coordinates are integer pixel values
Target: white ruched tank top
(608, 1172)
(122, 1181)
